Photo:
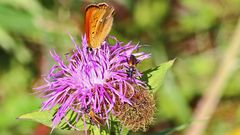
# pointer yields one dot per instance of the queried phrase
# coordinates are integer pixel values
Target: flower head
(90, 81)
(139, 115)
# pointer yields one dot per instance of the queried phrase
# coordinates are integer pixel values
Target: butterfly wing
(90, 25)
(98, 23)
(105, 24)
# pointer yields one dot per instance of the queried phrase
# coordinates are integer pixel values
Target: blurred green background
(196, 32)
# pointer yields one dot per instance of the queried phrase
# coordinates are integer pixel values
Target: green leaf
(170, 100)
(45, 117)
(155, 77)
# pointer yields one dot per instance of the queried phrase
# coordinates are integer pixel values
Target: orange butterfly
(98, 23)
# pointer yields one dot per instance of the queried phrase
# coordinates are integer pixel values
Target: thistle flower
(90, 81)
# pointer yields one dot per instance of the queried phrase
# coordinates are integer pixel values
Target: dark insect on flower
(131, 69)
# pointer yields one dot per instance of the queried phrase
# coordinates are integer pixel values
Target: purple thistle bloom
(90, 80)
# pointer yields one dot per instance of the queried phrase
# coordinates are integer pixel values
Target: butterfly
(98, 23)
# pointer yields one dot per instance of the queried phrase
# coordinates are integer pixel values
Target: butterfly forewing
(90, 10)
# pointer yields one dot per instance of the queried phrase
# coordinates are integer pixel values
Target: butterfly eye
(89, 49)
